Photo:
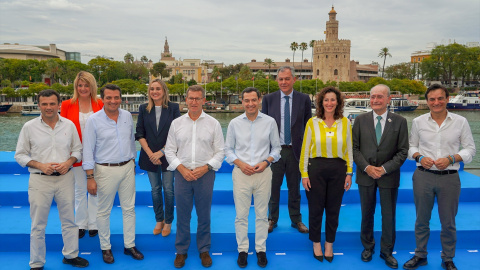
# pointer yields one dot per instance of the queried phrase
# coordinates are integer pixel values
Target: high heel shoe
(320, 258)
(329, 258)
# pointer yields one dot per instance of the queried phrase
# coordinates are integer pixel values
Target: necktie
(378, 129)
(286, 123)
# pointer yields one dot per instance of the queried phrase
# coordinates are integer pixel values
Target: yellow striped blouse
(321, 141)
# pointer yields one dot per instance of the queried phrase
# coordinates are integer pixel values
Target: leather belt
(286, 146)
(114, 164)
(53, 174)
(437, 172)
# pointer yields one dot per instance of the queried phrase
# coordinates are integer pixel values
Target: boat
(397, 104)
(4, 108)
(132, 102)
(465, 100)
(30, 110)
(349, 112)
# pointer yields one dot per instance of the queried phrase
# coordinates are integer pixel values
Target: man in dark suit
(294, 108)
(380, 147)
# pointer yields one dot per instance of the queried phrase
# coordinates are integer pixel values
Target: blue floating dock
(286, 248)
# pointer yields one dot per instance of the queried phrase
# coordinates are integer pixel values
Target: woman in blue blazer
(154, 120)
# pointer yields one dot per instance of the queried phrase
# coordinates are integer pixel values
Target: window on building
(326, 56)
(335, 72)
(192, 64)
(336, 56)
(318, 72)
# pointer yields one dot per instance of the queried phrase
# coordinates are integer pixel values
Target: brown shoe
(134, 252)
(271, 225)
(159, 230)
(206, 260)
(300, 227)
(180, 260)
(167, 229)
(108, 256)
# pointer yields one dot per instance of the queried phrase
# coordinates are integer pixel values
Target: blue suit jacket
(156, 139)
(301, 112)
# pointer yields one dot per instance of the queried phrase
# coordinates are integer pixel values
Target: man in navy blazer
(291, 137)
(378, 163)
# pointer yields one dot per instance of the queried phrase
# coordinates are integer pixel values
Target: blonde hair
(90, 80)
(165, 98)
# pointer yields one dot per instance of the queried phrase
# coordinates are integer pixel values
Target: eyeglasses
(194, 99)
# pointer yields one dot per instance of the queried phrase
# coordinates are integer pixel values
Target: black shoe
(262, 259)
(415, 262)
(92, 233)
(320, 258)
(77, 262)
(367, 254)
(329, 258)
(242, 259)
(134, 252)
(448, 265)
(390, 261)
(108, 256)
(81, 233)
(271, 225)
(37, 268)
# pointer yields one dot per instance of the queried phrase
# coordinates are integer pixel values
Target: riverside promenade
(286, 248)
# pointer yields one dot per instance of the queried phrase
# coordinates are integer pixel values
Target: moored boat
(466, 100)
(4, 108)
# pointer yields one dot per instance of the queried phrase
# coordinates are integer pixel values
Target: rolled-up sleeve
(274, 142)
(22, 152)
(413, 141)
(468, 145)
(230, 145)
(218, 148)
(171, 149)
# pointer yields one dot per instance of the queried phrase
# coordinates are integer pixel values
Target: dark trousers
(388, 204)
(186, 192)
(327, 180)
(446, 188)
(287, 165)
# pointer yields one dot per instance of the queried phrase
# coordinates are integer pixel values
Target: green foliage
(9, 92)
(33, 89)
(160, 69)
(191, 82)
(130, 86)
(404, 70)
(245, 73)
(6, 83)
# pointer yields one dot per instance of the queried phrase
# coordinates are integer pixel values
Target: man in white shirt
(49, 145)
(252, 144)
(109, 151)
(435, 142)
(194, 150)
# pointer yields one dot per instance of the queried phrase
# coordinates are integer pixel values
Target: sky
(237, 31)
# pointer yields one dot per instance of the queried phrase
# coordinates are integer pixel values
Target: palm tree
(384, 52)
(303, 47)
(294, 47)
(312, 44)
(269, 62)
(128, 58)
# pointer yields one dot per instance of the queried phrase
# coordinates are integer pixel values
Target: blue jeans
(167, 183)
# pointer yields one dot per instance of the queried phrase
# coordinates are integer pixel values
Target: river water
(11, 124)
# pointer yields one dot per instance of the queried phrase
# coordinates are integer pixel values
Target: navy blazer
(390, 153)
(156, 139)
(301, 113)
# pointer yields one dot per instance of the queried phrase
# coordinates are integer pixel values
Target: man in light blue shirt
(109, 150)
(252, 144)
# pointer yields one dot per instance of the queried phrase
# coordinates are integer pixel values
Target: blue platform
(286, 248)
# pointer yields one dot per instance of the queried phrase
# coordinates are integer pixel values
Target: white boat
(396, 104)
(349, 112)
(466, 100)
(31, 109)
(132, 102)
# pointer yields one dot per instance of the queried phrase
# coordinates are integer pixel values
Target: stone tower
(166, 55)
(331, 57)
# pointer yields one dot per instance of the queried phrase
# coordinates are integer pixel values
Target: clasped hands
(374, 172)
(49, 168)
(155, 157)
(441, 163)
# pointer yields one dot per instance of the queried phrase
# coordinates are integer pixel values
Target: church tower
(166, 55)
(331, 57)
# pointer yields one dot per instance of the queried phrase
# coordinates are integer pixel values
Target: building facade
(331, 57)
(190, 68)
(25, 52)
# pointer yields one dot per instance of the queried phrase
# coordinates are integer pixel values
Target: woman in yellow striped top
(326, 167)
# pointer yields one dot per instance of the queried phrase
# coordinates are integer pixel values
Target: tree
(294, 47)
(384, 52)
(53, 69)
(312, 44)
(404, 70)
(215, 73)
(269, 62)
(245, 73)
(160, 69)
(303, 46)
(144, 59)
(128, 58)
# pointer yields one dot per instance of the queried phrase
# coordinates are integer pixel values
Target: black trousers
(388, 203)
(327, 180)
(287, 166)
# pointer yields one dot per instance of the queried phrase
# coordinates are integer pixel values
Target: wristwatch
(209, 167)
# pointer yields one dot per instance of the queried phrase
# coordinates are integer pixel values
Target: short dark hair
(251, 89)
(436, 86)
(48, 93)
(110, 87)
(338, 114)
(196, 88)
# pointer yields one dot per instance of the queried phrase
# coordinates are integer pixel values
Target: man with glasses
(194, 150)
